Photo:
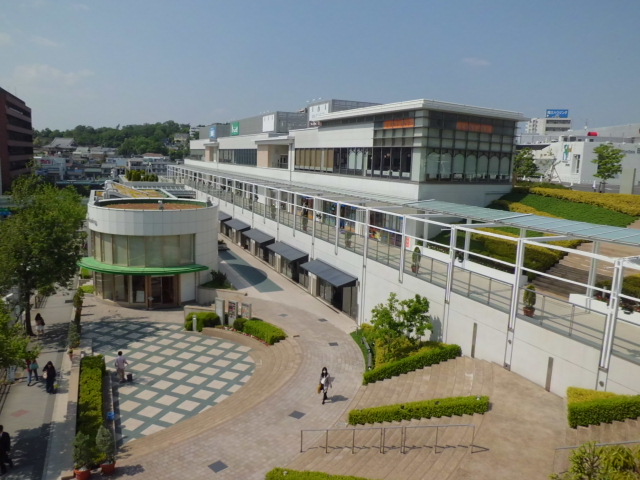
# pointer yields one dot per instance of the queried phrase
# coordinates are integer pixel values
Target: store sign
(474, 127)
(399, 123)
(235, 128)
(269, 123)
(213, 133)
(557, 113)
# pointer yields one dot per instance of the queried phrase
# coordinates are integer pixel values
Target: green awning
(92, 264)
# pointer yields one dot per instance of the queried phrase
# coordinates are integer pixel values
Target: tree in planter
(41, 244)
(78, 299)
(348, 235)
(408, 318)
(416, 256)
(13, 341)
(106, 446)
(82, 455)
(529, 300)
(608, 161)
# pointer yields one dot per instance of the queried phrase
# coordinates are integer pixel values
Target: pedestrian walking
(5, 451)
(32, 367)
(39, 325)
(325, 381)
(121, 363)
(49, 373)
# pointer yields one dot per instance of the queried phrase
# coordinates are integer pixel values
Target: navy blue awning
(329, 274)
(287, 252)
(259, 237)
(237, 225)
(223, 217)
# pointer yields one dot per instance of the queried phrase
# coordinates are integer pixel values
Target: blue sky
(201, 61)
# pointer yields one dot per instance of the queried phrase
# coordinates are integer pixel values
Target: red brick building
(16, 139)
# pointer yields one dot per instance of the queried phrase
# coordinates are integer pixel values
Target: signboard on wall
(399, 123)
(557, 113)
(213, 132)
(235, 128)
(232, 310)
(269, 123)
(316, 110)
(245, 310)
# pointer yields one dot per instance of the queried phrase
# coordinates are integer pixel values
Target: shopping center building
(347, 207)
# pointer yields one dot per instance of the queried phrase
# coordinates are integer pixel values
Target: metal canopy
(257, 236)
(329, 274)
(287, 252)
(223, 217)
(558, 226)
(237, 225)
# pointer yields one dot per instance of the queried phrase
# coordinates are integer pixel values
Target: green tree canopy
(524, 164)
(41, 244)
(608, 160)
(397, 318)
(13, 341)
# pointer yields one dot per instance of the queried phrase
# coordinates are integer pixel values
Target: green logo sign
(235, 128)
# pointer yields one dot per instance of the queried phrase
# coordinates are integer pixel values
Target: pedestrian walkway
(176, 374)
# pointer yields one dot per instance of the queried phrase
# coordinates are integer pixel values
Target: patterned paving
(176, 374)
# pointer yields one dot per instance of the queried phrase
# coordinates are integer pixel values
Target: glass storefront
(138, 290)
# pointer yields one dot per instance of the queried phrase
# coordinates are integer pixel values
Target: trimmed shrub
(589, 407)
(423, 358)
(439, 407)
(74, 335)
(90, 397)
(203, 319)
(630, 285)
(264, 331)
(288, 474)
(238, 324)
(626, 204)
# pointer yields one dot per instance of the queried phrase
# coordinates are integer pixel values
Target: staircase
(426, 457)
(575, 267)
(615, 432)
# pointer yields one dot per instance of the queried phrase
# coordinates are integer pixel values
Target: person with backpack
(32, 368)
(49, 372)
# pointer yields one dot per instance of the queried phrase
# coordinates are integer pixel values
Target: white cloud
(45, 42)
(476, 62)
(5, 39)
(46, 75)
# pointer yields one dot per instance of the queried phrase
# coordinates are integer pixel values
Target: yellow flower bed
(629, 204)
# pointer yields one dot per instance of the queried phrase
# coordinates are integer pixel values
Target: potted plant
(347, 238)
(529, 300)
(82, 456)
(415, 259)
(106, 445)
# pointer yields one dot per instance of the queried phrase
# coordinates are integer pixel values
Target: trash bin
(129, 377)
(111, 416)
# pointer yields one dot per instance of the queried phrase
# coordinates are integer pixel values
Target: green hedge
(630, 285)
(264, 331)
(238, 323)
(438, 407)
(600, 407)
(288, 474)
(203, 319)
(90, 396)
(415, 362)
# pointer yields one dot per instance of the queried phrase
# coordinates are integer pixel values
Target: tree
(524, 164)
(590, 462)
(608, 160)
(396, 318)
(41, 244)
(13, 341)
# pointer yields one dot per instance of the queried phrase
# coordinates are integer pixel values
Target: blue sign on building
(557, 113)
(213, 132)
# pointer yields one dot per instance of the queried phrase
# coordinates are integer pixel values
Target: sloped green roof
(92, 264)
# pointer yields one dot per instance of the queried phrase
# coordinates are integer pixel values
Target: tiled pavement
(176, 374)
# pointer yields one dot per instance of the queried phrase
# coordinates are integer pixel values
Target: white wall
(344, 136)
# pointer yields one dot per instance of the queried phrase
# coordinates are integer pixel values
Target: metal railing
(403, 436)
(561, 455)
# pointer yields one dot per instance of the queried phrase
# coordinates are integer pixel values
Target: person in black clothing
(5, 450)
(50, 372)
